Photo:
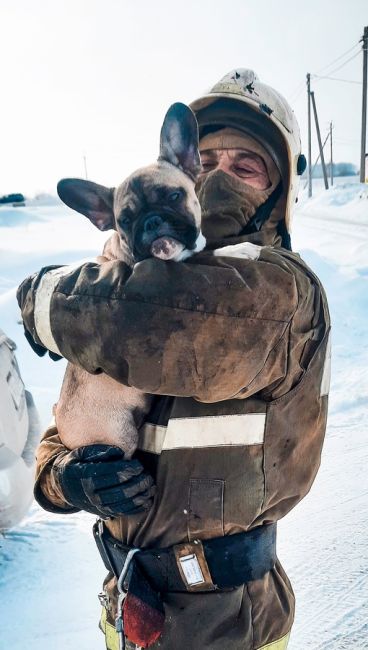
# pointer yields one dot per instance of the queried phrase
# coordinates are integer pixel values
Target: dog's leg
(245, 250)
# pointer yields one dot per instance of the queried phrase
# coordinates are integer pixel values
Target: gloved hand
(26, 294)
(96, 478)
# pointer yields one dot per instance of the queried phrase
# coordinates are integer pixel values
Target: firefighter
(235, 348)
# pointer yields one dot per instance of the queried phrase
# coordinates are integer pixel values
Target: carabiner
(119, 621)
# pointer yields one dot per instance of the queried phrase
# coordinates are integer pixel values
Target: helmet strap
(284, 234)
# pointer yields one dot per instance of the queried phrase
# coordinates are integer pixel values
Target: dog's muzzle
(166, 236)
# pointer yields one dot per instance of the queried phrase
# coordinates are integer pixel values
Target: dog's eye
(125, 221)
(174, 196)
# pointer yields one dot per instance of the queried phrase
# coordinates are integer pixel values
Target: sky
(94, 78)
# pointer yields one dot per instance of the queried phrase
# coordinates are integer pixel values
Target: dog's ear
(179, 140)
(93, 200)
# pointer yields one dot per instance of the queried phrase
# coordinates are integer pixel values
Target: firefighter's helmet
(241, 101)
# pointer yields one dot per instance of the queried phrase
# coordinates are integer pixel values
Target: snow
(51, 572)
(322, 542)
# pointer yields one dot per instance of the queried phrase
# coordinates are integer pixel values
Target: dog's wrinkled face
(155, 210)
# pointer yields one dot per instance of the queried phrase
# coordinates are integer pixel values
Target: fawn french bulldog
(154, 213)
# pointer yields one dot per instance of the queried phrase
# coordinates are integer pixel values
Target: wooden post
(364, 107)
(85, 166)
(319, 141)
(309, 138)
(331, 156)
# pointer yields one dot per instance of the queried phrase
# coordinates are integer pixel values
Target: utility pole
(319, 140)
(309, 138)
(331, 157)
(317, 159)
(364, 107)
(85, 166)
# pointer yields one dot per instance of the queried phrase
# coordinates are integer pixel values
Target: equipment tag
(191, 569)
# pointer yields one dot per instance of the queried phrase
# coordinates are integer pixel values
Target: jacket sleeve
(211, 328)
(46, 489)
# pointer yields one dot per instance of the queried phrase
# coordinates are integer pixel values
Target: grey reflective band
(211, 431)
(326, 376)
(45, 289)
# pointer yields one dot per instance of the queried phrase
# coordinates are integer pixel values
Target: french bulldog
(154, 213)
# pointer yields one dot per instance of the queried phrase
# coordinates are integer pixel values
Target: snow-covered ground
(323, 541)
(51, 572)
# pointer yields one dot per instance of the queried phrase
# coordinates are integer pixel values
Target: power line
(338, 58)
(298, 95)
(346, 141)
(345, 63)
(300, 87)
(347, 81)
(296, 92)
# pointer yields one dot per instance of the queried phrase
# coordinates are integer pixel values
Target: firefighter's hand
(96, 478)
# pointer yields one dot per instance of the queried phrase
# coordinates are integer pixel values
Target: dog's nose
(152, 223)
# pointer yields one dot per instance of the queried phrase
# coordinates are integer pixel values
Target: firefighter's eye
(207, 166)
(243, 169)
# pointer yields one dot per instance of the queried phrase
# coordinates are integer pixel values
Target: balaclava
(228, 204)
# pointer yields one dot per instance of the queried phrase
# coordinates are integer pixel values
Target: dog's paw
(245, 250)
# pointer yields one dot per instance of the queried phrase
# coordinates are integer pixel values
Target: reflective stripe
(43, 297)
(281, 644)
(111, 636)
(151, 438)
(326, 376)
(243, 429)
(212, 431)
(42, 309)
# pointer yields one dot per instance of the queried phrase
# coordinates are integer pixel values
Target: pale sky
(96, 77)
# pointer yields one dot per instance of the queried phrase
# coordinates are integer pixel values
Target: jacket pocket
(205, 513)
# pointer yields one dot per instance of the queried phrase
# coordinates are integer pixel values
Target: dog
(154, 213)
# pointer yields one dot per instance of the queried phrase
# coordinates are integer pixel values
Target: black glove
(96, 478)
(26, 293)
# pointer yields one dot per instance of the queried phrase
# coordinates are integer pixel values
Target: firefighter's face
(246, 166)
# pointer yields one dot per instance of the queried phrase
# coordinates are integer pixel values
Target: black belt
(217, 563)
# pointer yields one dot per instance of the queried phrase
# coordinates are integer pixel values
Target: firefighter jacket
(236, 352)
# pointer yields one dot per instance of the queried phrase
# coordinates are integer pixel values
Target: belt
(217, 563)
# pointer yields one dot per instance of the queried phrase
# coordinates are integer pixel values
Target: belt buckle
(193, 568)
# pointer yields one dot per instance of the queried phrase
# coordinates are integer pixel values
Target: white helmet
(241, 101)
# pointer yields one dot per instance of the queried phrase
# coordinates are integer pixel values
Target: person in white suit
(19, 436)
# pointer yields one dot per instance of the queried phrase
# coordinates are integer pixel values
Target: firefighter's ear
(93, 200)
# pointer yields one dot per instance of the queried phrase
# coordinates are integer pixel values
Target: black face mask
(227, 204)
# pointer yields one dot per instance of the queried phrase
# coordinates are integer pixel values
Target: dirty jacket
(236, 352)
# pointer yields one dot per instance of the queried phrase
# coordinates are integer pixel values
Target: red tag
(143, 624)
